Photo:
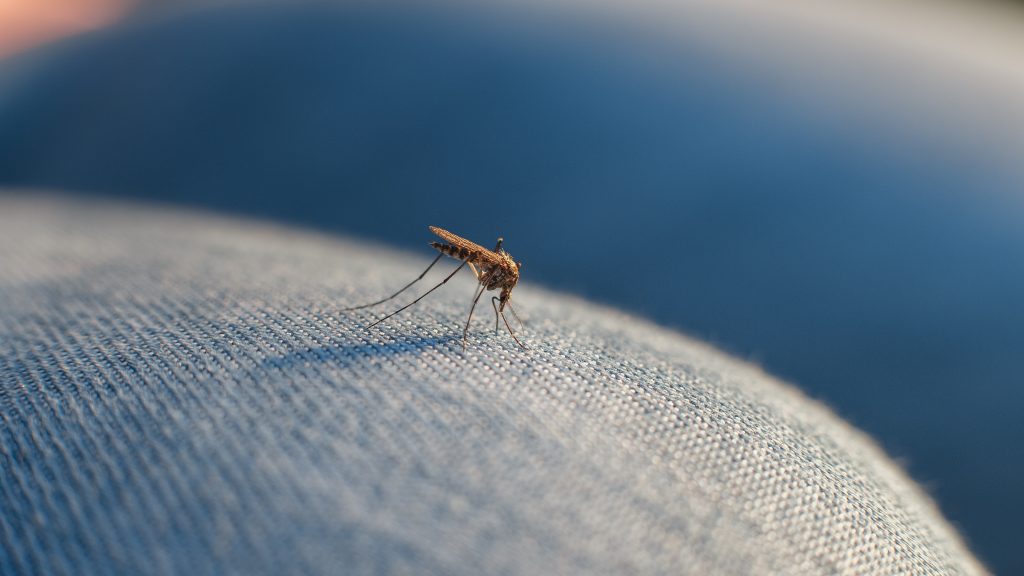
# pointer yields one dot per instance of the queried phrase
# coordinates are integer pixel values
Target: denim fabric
(183, 393)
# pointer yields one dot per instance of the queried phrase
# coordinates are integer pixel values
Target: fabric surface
(183, 393)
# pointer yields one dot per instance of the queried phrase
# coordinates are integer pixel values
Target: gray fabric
(183, 393)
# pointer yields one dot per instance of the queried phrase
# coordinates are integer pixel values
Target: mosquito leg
(497, 312)
(443, 282)
(474, 270)
(407, 286)
(465, 330)
(494, 304)
(511, 333)
(522, 327)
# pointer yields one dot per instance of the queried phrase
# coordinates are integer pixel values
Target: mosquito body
(494, 270)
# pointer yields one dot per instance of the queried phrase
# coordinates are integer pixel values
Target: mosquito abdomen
(454, 251)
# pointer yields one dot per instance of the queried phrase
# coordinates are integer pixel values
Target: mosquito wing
(461, 242)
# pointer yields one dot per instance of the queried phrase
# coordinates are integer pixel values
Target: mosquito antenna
(471, 308)
(443, 282)
(407, 286)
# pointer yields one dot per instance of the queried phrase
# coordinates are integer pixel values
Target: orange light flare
(25, 24)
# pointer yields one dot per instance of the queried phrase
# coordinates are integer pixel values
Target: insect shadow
(494, 270)
(346, 353)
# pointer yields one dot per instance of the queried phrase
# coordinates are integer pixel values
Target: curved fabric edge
(186, 392)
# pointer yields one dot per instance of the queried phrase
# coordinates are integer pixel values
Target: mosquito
(494, 269)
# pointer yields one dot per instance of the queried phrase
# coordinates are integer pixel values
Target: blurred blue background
(831, 192)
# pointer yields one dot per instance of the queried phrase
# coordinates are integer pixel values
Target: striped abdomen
(455, 251)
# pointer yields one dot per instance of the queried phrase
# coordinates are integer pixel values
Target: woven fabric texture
(183, 393)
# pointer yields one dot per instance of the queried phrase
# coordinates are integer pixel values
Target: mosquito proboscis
(494, 270)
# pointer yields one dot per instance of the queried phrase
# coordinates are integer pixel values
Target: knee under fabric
(183, 393)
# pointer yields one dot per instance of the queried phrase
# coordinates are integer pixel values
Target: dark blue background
(877, 268)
